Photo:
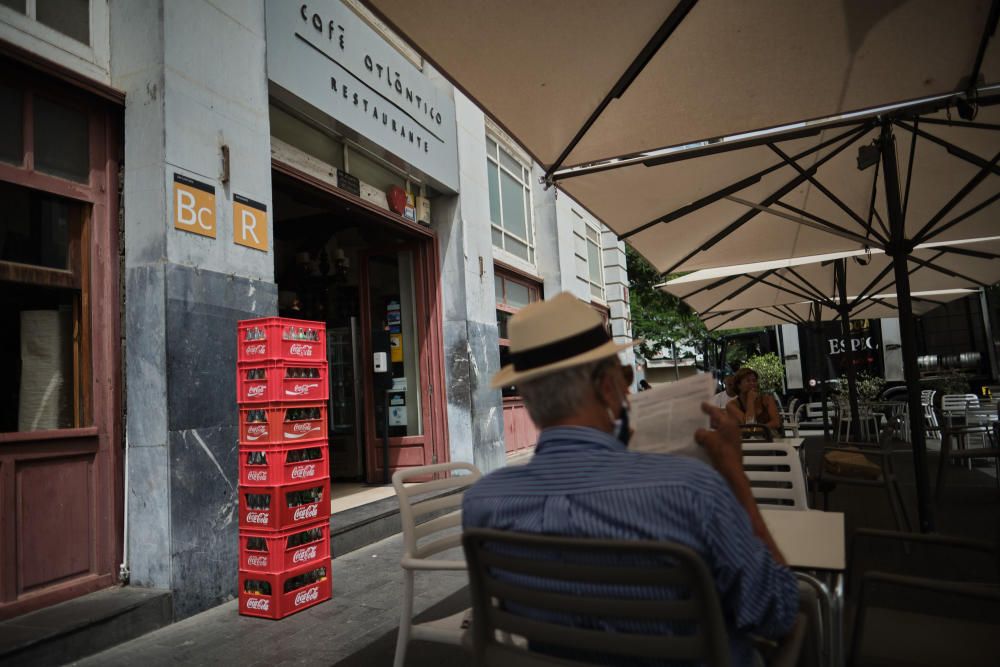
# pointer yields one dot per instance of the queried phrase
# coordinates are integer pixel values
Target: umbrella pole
(899, 250)
(840, 271)
(823, 374)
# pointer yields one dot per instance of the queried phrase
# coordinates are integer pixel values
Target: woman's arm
(733, 410)
(773, 417)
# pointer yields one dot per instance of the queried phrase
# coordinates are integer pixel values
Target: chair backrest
(958, 402)
(793, 406)
(775, 473)
(927, 396)
(590, 600)
(441, 498)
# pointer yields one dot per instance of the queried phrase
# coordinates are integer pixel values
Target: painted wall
(186, 98)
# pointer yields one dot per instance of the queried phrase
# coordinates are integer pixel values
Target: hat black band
(559, 350)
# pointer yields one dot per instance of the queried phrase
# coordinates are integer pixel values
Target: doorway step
(83, 626)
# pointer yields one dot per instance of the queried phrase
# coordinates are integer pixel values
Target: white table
(814, 541)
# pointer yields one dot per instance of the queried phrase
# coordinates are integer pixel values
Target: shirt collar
(576, 438)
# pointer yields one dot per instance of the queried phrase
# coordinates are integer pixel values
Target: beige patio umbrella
(768, 101)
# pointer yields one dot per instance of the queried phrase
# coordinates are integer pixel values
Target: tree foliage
(770, 372)
(658, 317)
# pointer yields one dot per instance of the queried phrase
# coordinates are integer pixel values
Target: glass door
(392, 324)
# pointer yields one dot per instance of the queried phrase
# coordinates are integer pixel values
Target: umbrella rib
(802, 295)
(804, 284)
(945, 227)
(968, 252)
(948, 272)
(959, 196)
(909, 167)
(957, 151)
(753, 281)
(784, 308)
(711, 286)
(961, 123)
(822, 188)
(988, 30)
(868, 288)
(775, 196)
(639, 63)
(872, 213)
(732, 188)
(810, 220)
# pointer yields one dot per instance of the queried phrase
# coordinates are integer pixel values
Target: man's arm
(723, 446)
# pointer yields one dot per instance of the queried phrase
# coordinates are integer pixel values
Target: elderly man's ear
(610, 389)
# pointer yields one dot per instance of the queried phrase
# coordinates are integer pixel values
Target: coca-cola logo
(307, 596)
(300, 389)
(302, 472)
(259, 348)
(257, 561)
(256, 390)
(259, 517)
(257, 476)
(300, 430)
(306, 512)
(300, 350)
(302, 555)
(256, 432)
(260, 604)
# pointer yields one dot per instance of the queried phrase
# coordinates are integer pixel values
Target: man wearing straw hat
(583, 482)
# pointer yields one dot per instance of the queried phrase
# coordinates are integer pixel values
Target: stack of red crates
(282, 393)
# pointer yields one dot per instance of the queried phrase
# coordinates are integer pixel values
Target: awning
(712, 68)
(936, 266)
(878, 306)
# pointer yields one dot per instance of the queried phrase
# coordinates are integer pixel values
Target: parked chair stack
(284, 504)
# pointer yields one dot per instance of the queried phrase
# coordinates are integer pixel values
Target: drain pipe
(123, 571)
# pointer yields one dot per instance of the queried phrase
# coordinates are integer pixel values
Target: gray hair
(560, 394)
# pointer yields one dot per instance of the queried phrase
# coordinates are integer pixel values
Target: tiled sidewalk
(367, 585)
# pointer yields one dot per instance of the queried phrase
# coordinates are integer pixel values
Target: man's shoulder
(612, 470)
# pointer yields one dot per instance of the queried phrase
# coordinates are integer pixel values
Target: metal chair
(789, 418)
(936, 603)
(872, 466)
(775, 473)
(438, 503)
(530, 587)
(931, 426)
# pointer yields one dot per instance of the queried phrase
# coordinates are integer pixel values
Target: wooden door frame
(101, 438)
(430, 357)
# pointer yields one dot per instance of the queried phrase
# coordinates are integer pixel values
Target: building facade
(185, 165)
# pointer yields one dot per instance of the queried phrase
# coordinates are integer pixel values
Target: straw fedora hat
(551, 335)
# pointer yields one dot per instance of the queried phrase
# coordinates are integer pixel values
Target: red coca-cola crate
(286, 464)
(275, 553)
(281, 339)
(267, 507)
(273, 381)
(269, 424)
(265, 595)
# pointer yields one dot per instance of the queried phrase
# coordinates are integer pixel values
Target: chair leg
(942, 465)
(405, 620)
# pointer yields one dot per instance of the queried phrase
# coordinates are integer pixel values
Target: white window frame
(588, 226)
(524, 179)
(92, 61)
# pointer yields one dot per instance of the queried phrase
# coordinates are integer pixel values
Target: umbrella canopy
(934, 266)
(668, 73)
(877, 306)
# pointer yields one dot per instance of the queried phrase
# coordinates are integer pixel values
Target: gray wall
(194, 78)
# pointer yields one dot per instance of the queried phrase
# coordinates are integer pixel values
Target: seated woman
(750, 406)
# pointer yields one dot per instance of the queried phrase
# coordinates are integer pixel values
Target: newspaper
(665, 418)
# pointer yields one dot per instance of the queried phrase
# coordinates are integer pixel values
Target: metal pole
(823, 374)
(899, 250)
(673, 353)
(845, 331)
(984, 304)
(386, 479)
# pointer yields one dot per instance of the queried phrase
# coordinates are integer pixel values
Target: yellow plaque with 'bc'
(249, 223)
(194, 206)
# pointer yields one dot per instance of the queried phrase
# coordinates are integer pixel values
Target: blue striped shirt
(582, 482)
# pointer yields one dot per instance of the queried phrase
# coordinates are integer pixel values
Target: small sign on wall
(249, 223)
(194, 206)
